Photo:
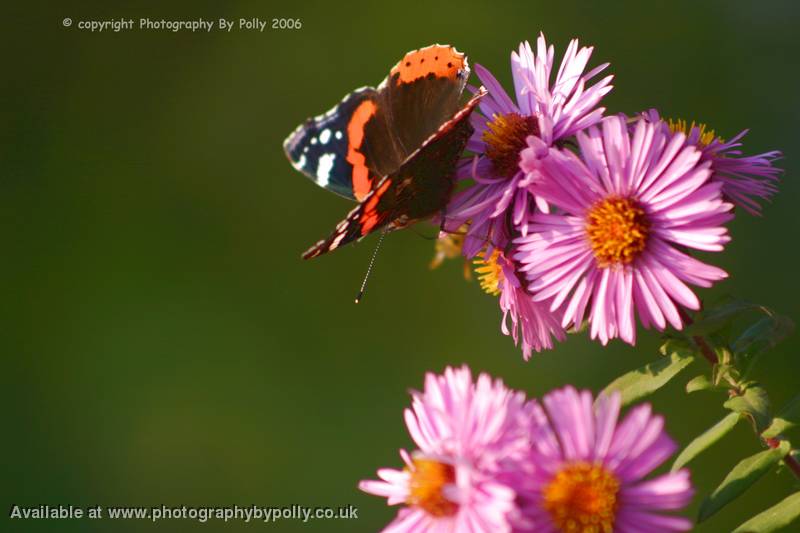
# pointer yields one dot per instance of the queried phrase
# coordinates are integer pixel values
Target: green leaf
(707, 439)
(648, 379)
(776, 517)
(717, 318)
(763, 335)
(724, 355)
(788, 418)
(697, 383)
(724, 373)
(754, 404)
(680, 345)
(738, 480)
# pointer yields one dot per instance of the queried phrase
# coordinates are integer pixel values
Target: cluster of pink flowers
(579, 217)
(489, 460)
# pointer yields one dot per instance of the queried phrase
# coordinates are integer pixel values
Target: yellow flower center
(582, 498)
(617, 229)
(706, 136)
(505, 138)
(449, 246)
(490, 273)
(428, 478)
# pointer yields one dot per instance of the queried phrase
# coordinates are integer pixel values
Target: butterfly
(393, 148)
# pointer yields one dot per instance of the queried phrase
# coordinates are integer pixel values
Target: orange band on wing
(370, 217)
(355, 137)
(442, 61)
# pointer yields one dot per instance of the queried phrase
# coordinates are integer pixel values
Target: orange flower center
(617, 230)
(505, 138)
(582, 498)
(428, 478)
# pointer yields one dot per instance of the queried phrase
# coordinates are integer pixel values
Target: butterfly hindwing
(353, 227)
(424, 182)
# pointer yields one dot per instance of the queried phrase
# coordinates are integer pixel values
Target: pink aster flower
(552, 110)
(586, 470)
(745, 179)
(531, 322)
(627, 210)
(466, 432)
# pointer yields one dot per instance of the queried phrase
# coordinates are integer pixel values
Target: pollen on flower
(505, 138)
(490, 273)
(705, 135)
(617, 229)
(582, 498)
(449, 246)
(428, 479)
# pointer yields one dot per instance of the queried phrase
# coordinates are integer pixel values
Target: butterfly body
(394, 148)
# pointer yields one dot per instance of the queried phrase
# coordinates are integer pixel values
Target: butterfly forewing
(321, 149)
(423, 92)
(393, 148)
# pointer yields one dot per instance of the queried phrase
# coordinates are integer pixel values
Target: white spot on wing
(301, 162)
(337, 240)
(325, 136)
(313, 140)
(324, 169)
(338, 135)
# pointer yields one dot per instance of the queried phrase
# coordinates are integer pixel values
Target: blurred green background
(164, 343)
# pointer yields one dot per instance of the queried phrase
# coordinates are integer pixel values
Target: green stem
(789, 460)
(706, 350)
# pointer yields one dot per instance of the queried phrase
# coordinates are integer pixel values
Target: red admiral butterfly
(394, 148)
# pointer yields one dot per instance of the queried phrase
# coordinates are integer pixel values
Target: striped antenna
(369, 268)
